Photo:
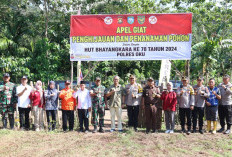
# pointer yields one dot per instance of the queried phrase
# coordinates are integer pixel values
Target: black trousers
(198, 113)
(51, 114)
(11, 120)
(185, 113)
(68, 115)
(133, 113)
(83, 115)
(225, 112)
(24, 117)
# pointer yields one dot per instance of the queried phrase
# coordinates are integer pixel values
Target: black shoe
(136, 130)
(188, 132)
(183, 131)
(81, 130)
(147, 131)
(101, 130)
(221, 130)
(201, 131)
(194, 131)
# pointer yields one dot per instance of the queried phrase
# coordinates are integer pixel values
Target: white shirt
(23, 100)
(84, 99)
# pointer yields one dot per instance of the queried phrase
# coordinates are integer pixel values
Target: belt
(150, 104)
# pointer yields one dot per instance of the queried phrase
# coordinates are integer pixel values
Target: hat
(226, 76)
(200, 78)
(51, 82)
(24, 77)
(98, 78)
(83, 82)
(132, 76)
(150, 79)
(6, 75)
(184, 78)
(67, 82)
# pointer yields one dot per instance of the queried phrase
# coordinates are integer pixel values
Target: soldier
(133, 99)
(201, 93)
(8, 101)
(186, 104)
(98, 105)
(150, 97)
(117, 101)
(225, 108)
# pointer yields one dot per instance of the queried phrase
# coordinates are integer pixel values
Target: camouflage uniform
(98, 105)
(7, 100)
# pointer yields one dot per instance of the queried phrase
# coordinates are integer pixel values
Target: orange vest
(67, 100)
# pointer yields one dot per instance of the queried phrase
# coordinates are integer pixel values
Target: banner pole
(71, 74)
(78, 72)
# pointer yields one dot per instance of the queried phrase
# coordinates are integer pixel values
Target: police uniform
(7, 100)
(225, 107)
(150, 102)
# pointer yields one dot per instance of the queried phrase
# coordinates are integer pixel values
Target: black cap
(200, 78)
(184, 78)
(150, 79)
(98, 78)
(6, 75)
(67, 82)
(83, 82)
(226, 76)
(24, 77)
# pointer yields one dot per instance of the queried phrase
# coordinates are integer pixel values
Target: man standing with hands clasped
(116, 93)
(8, 101)
(24, 103)
(225, 108)
(83, 106)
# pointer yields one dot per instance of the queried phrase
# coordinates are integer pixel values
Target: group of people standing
(193, 104)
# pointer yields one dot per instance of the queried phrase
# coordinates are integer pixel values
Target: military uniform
(98, 105)
(150, 102)
(7, 100)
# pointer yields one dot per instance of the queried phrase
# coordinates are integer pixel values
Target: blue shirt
(212, 98)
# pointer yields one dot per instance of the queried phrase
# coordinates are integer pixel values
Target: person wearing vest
(186, 104)
(225, 108)
(201, 93)
(68, 104)
(212, 106)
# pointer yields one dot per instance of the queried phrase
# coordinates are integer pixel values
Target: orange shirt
(67, 100)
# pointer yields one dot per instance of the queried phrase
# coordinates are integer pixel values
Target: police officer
(150, 97)
(225, 108)
(201, 93)
(8, 101)
(97, 93)
(133, 99)
(186, 104)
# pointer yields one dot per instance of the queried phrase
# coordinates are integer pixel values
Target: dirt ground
(129, 143)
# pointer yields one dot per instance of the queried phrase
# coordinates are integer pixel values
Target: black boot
(101, 121)
(95, 129)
